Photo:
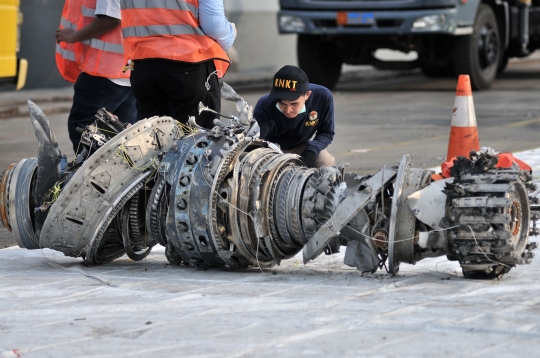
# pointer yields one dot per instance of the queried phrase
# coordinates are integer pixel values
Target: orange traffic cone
(463, 131)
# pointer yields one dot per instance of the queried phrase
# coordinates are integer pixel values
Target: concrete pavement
(53, 306)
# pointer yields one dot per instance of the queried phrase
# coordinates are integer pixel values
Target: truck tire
(503, 64)
(479, 55)
(319, 60)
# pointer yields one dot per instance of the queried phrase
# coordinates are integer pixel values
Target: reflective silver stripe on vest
(139, 31)
(68, 55)
(86, 11)
(104, 46)
(67, 24)
(160, 4)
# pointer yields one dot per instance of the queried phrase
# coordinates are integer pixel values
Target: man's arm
(101, 25)
(262, 119)
(214, 23)
(325, 133)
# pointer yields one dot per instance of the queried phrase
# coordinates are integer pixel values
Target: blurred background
(255, 20)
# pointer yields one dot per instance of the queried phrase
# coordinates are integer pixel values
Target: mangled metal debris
(223, 197)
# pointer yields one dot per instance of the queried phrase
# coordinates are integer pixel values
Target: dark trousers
(93, 93)
(173, 88)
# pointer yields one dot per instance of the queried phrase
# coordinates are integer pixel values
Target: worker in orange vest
(65, 51)
(90, 52)
(177, 52)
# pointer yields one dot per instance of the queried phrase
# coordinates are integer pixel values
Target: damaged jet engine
(224, 197)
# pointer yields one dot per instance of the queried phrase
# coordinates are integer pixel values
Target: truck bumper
(384, 23)
(17, 75)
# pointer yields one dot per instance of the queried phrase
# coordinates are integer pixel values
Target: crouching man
(299, 116)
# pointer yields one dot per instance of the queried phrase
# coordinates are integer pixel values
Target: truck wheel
(503, 64)
(319, 60)
(478, 55)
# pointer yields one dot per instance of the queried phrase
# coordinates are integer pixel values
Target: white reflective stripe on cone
(464, 114)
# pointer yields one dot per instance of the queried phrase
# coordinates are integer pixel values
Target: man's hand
(309, 158)
(66, 35)
(101, 25)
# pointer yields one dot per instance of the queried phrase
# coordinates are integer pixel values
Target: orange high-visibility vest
(168, 30)
(101, 56)
(65, 52)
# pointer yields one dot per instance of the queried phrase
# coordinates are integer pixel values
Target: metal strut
(346, 211)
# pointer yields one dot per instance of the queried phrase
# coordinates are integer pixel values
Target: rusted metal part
(515, 214)
(381, 239)
(4, 195)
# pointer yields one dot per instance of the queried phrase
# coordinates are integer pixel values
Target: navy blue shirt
(318, 120)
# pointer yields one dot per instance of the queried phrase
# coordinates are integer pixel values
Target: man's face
(291, 108)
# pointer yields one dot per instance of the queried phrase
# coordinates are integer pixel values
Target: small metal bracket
(164, 167)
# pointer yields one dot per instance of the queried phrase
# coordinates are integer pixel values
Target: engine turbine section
(239, 201)
(225, 198)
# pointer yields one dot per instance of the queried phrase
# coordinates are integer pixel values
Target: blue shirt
(214, 23)
(318, 121)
